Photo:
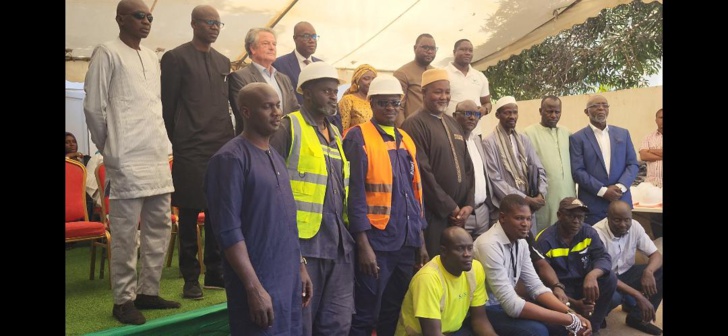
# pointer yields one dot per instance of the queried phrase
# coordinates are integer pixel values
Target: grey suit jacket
(250, 74)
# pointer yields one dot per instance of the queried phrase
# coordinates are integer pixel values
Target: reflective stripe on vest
(564, 251)
(308, 174)
(379, 178)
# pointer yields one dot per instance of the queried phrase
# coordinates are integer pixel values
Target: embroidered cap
(434, 75)
(504, 101)
(569, 203)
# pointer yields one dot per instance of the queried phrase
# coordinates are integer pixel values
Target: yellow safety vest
(308, 174)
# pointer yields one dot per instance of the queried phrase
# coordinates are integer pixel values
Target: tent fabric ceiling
(353, 32)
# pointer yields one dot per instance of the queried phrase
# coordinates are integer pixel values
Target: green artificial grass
(89, 302)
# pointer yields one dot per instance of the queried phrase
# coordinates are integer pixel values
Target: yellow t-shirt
(425, 294)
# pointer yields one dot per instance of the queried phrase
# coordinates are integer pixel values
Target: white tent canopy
(353, 32)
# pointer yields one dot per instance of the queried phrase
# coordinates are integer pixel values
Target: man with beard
(124, 117)
(254, 217)
(505, 254)
(445, 291)
(603, 161)
(410, 76)
(319, 174)
(467, 83)
(577, 255)
(512, 162)
(443, 158)
(197, 118)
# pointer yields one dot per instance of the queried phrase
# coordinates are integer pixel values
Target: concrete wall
(633, 109)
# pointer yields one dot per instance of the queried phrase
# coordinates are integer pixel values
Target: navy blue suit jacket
(590, 173)
(288, 64)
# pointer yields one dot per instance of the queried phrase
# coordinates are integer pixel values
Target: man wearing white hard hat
(443, 158)
(319, 174)
(385, 210)
(513, 165)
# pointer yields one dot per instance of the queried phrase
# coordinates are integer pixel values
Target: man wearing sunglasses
(124, 117)
(198, 122)
(385, 211)
(467, 114)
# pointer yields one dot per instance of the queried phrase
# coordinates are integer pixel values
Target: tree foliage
(615, 49)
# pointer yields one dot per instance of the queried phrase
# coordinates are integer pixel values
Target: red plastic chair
(78, 226)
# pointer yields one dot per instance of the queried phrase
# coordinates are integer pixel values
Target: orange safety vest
(379, 176)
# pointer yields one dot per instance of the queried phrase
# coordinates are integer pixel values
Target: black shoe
(192, 290)
(213, 282)
(127, 313)
(144, 301)
(645, 327)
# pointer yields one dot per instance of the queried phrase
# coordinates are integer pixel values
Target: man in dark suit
(306, 39)
(260, 44)
(603, 161)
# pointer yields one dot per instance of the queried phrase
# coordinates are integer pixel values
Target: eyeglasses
(212, 23)
(571, 217)
(141, 16)
(604, 105)
(387, 103)
(469, 114)
(428, 48)
(314, 37)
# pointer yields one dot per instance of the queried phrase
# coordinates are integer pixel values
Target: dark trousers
(607, 287)
(332, 302)
(633, 278)
(506, 325)
(189, 266)
(378, 300)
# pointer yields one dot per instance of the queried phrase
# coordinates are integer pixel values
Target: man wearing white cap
(385, 211)
(443, 158)
(513, 165)
(319, 174)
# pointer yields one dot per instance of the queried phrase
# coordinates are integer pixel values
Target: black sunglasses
(385, 103)
(141, 16)
(469, 114)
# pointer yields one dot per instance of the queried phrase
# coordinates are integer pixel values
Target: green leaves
(612, 51)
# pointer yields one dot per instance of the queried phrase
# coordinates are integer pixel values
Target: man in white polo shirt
(467, 83)
(639, 287)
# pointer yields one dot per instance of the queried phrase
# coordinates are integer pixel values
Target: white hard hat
(385, 85)
(316, 70)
